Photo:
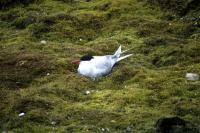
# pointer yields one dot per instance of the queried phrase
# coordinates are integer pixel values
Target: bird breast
(99, 66)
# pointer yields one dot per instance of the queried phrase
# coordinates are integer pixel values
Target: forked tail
(119, 52)
(124, 57)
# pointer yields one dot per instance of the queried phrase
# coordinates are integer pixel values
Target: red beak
(76, 61)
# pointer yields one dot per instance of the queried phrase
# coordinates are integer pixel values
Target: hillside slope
(39, 40)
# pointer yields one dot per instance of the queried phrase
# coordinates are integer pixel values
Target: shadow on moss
(18, 70)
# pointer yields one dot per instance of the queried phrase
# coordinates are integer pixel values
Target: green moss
(180, 7)
(39, 79)
(19, 70)
(7, 3)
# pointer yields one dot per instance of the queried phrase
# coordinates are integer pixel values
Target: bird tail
(119, 52)
(124, 57)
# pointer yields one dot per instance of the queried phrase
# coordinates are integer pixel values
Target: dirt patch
(27, 104)
(18, 70)
(103, 7)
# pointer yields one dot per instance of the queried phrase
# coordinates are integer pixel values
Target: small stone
(43, 42)
(48, 74)
(103, 129)
(196, 23)
(21, 63)
(113, 121)
(128, 130)
(87, 92)
(53, 123)
(21, 114)
(192, 76)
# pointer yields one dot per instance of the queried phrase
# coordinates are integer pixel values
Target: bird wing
(102, 62)
(102, 65)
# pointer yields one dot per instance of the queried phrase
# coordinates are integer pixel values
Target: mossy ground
(39, 80)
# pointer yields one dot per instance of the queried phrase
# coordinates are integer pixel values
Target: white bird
(98, 66)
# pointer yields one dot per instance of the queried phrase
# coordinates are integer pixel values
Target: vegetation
(182, 7)
(39, 80)
(9, 3)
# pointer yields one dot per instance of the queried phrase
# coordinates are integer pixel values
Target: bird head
(87, 57)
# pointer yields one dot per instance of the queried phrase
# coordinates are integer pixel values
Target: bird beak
(76, 61)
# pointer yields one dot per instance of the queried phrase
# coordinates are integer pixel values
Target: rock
(87, 92)
(21, 63)
(103, 129)
(113, 121)
(175, 125)
(192, 76)
(128, 130)
(196, 24)
(107, 129)
(21, 114)
(53, 123)
(43, 42)
(165, 125)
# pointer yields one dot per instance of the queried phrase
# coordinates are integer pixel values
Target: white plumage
(100, 65)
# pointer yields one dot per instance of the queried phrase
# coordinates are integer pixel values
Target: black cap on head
(87, 57)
